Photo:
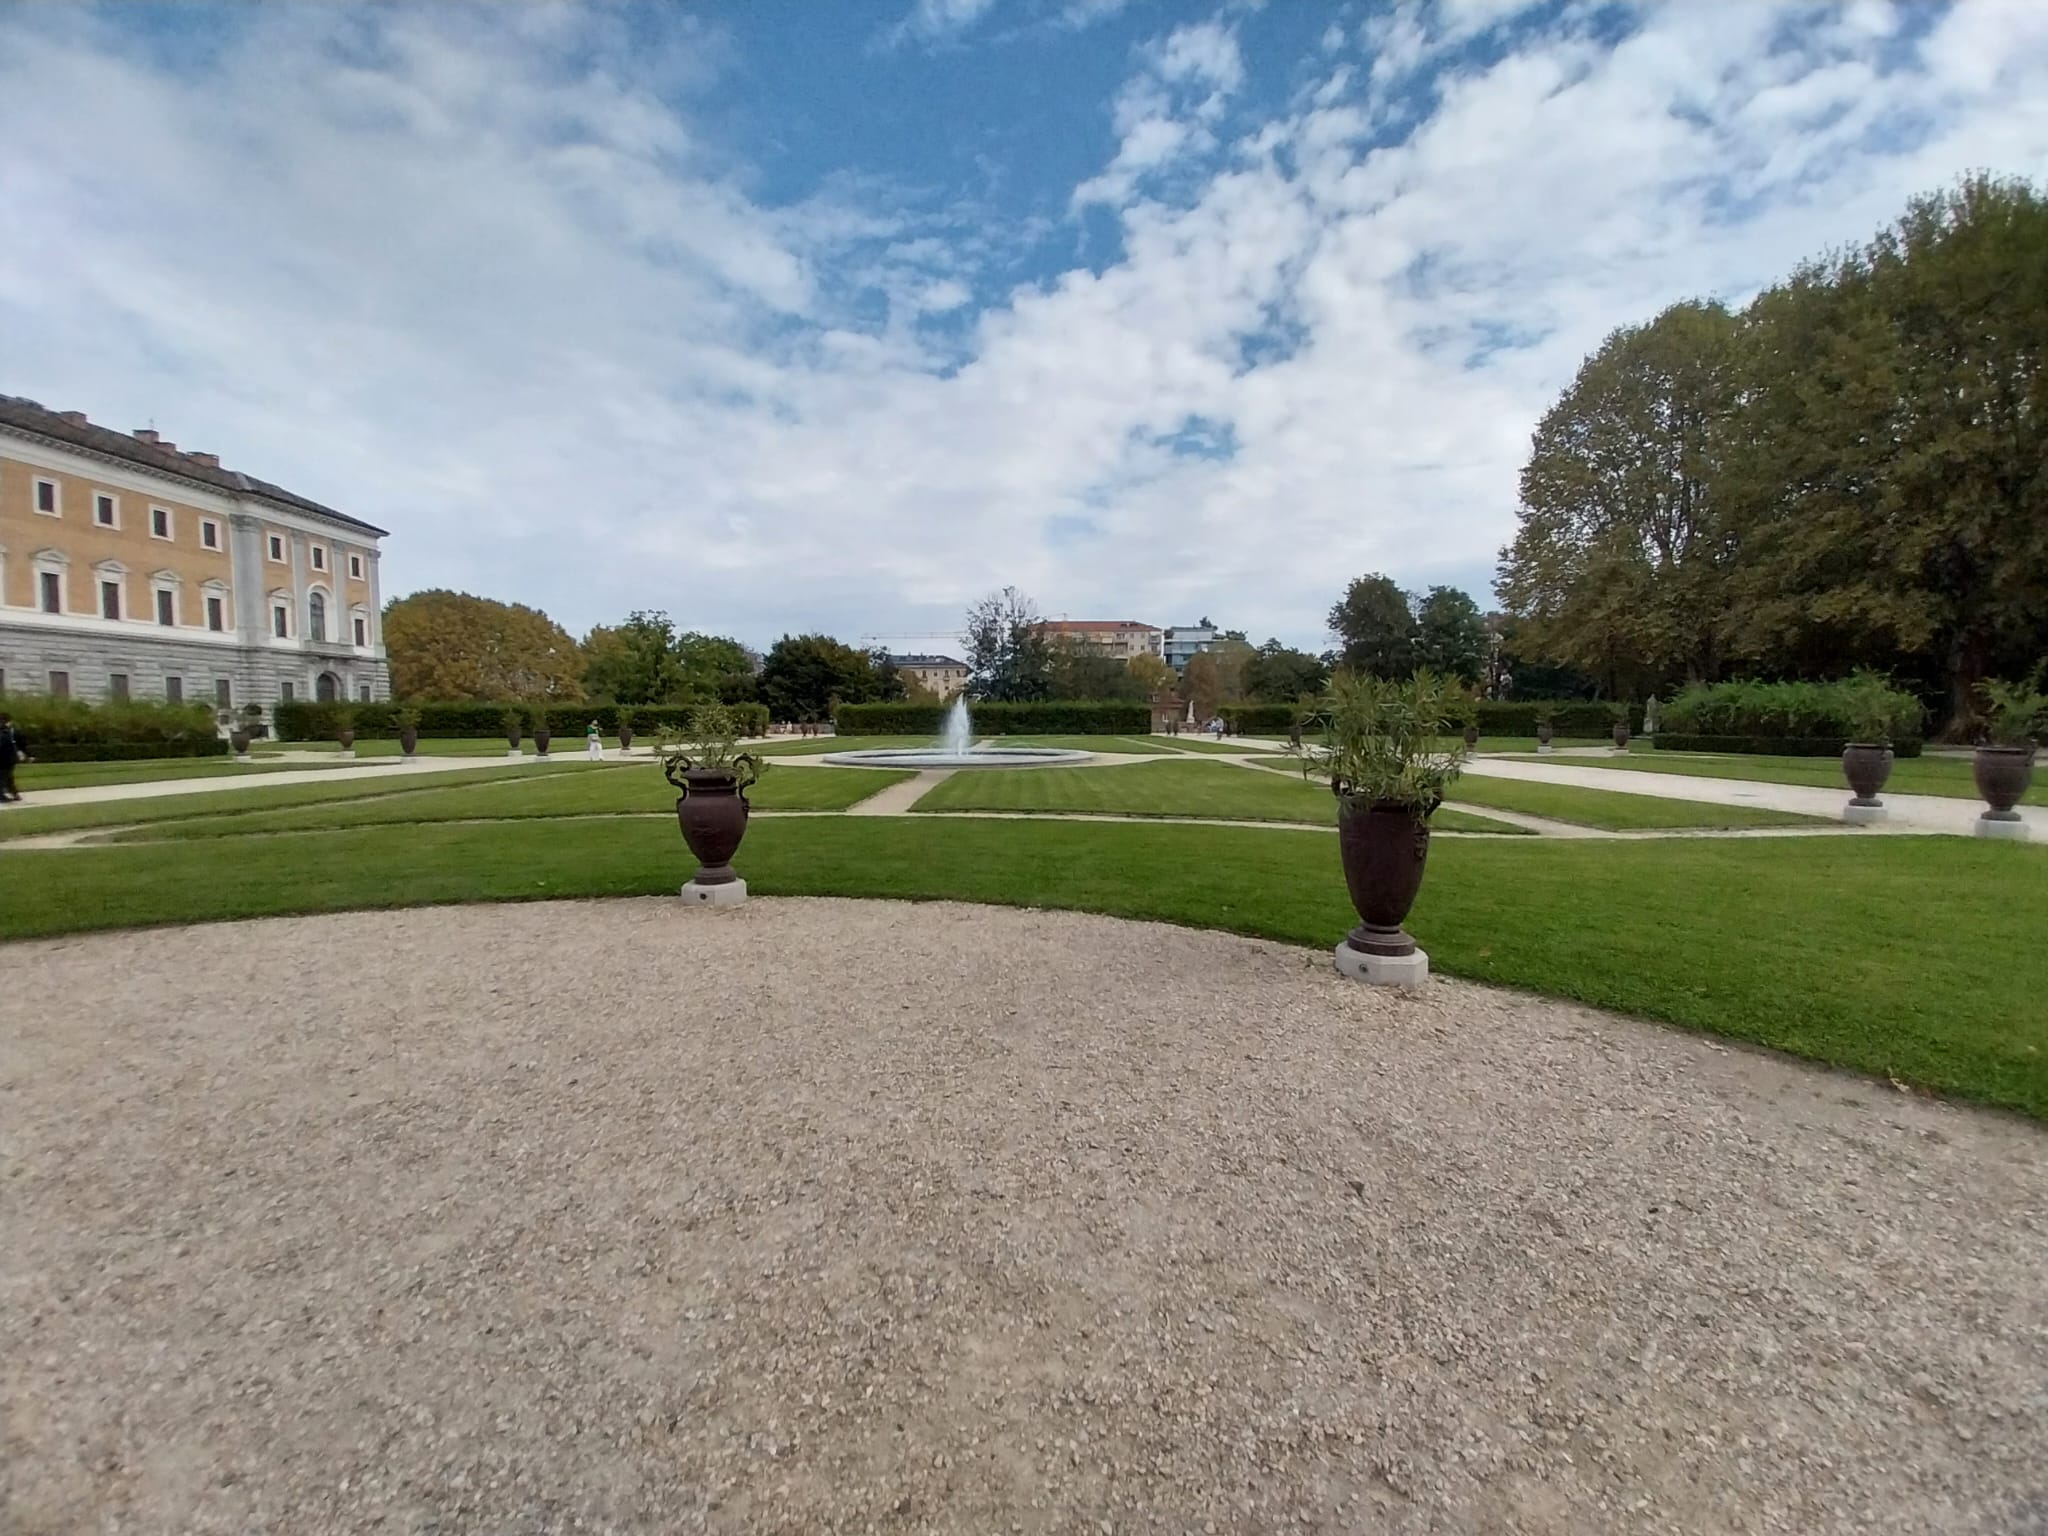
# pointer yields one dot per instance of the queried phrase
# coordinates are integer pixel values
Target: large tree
(1374, 623)
(1894, 469)
(1081, 671)
(451, 646)
(1450, 634)
(634, 662)
(1622, 561)
(1279, 674)
(804, 676)
(1007, 649)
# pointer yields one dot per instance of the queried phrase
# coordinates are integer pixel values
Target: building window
(60, 685)
(316, 618)
(174, 690)
(319, 558)
(277, 549)
(355, 567)
(159, 522)
(215, 620)
(285, 692)
(105, 511)
(166, 608)
(110, 599)
(53, 592)
(209, 533)
(117, 687)
(362, 631)
(363, 693)
(279, 620)
(223, 693)
(46, 498)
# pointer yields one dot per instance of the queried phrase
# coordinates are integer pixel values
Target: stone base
(1544, 746)
(515, 752)
(730, 894)
(2014, 830)
(1863, 815)
(243, 757)
(1383, 970)
(347, 755)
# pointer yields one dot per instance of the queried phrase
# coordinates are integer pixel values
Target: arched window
(316, 617)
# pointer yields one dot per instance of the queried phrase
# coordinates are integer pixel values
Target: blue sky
(789, 316)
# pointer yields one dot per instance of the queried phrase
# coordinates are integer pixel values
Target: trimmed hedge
(1054, 717)
(1812, 712)
(1772, 746)
(61, 730)
(304, 721)
(1568, 717)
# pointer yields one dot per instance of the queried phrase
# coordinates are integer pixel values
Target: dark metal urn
(1471, 735)
(512, 740)
(1544, 732)
(347, 740)
(1384, 846)
(409, 741)
(712, 810)
(625, 738)
(2003, 774)
(1621, 735)
(239, 740)
(541, 738)
(1866, 765)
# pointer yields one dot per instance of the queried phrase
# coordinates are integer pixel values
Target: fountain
(956, 749)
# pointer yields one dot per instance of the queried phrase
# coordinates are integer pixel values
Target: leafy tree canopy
(451, 646)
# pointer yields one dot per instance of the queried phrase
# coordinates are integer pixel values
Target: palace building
(130, 568)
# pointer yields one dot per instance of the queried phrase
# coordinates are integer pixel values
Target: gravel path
(834, 1215)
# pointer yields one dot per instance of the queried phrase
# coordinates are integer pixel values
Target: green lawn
(1946, 776)
(803, 746)
(29, 819)
(1175, 787)
(459, 746)
(34, 776)
(636, 788)
(1918, 957)
(1615, 812)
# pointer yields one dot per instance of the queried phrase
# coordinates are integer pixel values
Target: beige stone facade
(130, 568)
(944, 676)
(1121, 638)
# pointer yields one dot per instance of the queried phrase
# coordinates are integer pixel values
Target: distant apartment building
(132, 569)
(1121, 638)
(942, 675)
(1182, 641)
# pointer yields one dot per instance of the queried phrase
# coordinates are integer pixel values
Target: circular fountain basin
(943, 757)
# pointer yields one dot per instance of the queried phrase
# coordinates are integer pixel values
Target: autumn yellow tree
(452, 646)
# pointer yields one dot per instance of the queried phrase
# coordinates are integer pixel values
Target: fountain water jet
(956, 749)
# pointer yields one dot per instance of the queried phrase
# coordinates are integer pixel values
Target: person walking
(593, 743)
(13, 751)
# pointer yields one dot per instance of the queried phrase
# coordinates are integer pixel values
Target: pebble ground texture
(845, 1216)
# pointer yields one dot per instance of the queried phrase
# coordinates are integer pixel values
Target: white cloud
(522, 313)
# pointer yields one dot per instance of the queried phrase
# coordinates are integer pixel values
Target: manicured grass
(803, 746)
(1949, 777)
(28, 820)
(460, 746)
(1134, 746)
(605, 791)
(34, 776)
(1176, 787)
(1615, 812)
(1918, 957)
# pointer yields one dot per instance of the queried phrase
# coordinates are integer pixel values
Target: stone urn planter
(625, 738)
(409, 740)
(1384, 846)
(1866, 765)
(541, 738)
(1543, 735)
(1621, 735)
(239, 740)
(2002, 774)
(348, 741)
(712, 811)
(1471, 735)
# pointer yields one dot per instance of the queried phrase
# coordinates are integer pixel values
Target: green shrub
(1053, 717)
(1850, 709)
(1262, 719)
(73, 731)
(303, 721)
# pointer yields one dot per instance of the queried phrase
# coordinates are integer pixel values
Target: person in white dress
(593, 744)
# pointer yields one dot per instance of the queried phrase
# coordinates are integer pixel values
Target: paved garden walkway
(835, 1215)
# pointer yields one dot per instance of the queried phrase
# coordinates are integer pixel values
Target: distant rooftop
(150, 451)
(1103, 624)
(926, 661)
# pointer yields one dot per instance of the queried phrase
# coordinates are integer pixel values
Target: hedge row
(304, 721)
(1772, 746)
(1861, 708)
(1054, 717)
(64, 730)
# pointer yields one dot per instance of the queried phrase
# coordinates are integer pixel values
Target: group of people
(13, 752)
